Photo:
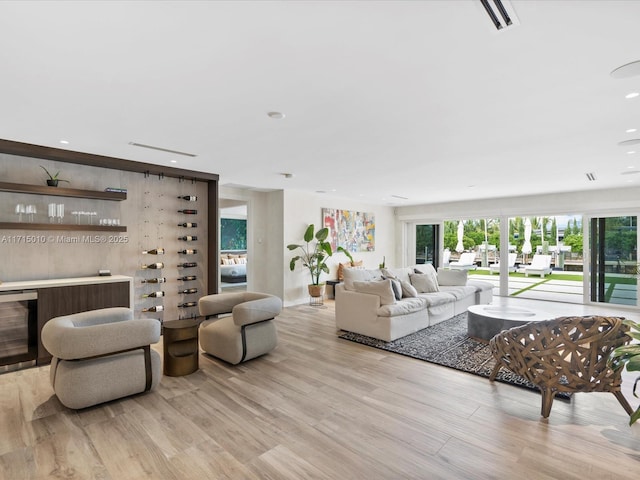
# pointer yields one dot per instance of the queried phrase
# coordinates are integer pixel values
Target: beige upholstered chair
(101, 355)
(250, 330)
(567, 354)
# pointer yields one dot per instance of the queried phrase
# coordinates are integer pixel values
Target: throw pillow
(397, 288)
(355, 275)
(383, 289)
(452, 277)
(343, 266)
(408, 290)
(423, 283)
(428, 269)
(387, 274)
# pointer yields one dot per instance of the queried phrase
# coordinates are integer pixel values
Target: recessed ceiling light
(631, 130)
(625, 71)
(626, 143)
(632, 95)
(276, 115)
(64, 142)
(631, 152)
(174, 161)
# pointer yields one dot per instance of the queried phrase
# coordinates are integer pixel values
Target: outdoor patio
(560, 286)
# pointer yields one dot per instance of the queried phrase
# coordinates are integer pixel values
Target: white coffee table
(485, 321)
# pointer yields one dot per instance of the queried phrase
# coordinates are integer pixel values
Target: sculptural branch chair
(250, 330)
(101, 355)
(567, 354)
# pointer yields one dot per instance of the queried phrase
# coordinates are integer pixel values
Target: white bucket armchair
(101, 355)
(250, 330)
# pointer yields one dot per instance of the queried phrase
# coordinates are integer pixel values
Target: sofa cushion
(406, 305)
(437, 298)
(459, 292)
(408, 290)
(381, 288)
(452, 277)
(428, 269)
(423, 283)
(356, 275)
(343, 266)
(401, 274)
(397, 288)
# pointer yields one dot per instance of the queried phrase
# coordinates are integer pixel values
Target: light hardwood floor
(316, 408)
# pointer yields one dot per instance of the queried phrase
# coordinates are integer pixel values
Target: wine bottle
(187, 278)
(153, 295)
(187, 265)
(187, 304)
(188, 238)
(188, 251)
(154, 280)
(188, 225)
(155, 251)
(188, 211)
(187, 291)
(155, 308)
(189, 198)
(154, 266)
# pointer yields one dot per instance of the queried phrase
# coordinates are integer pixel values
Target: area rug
(447, 344)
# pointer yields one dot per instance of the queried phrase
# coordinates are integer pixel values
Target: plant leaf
(293, 246)
(308, 234)
(322, 234)
(633, 364)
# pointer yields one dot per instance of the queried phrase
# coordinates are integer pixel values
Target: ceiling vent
(160, 149)
(591, 177)
(501, 13)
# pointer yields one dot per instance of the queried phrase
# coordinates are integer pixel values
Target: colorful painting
(354, 231)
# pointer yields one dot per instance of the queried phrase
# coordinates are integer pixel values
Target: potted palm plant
(314, 254)
(629, 356)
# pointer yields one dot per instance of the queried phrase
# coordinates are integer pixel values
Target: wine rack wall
(77, 245)
(171, 247)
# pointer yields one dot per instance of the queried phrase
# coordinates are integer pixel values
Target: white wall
(593, 202)
(302, 209)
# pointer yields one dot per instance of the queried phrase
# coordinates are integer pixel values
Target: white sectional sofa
(366, 302)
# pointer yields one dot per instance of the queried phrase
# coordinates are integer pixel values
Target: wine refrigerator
(18, 329)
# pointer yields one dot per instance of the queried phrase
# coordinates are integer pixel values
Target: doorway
(234, 253)
(614, 260)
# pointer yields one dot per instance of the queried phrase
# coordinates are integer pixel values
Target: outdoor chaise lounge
(540, 265)
(467, 261)
(495, 268)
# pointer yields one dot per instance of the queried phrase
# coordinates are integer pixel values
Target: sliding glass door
(427, 244)
(614, 260)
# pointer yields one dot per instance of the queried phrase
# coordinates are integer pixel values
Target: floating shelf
(61, 192)
(60, 226)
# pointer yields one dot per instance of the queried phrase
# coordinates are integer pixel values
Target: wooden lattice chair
(567, 354)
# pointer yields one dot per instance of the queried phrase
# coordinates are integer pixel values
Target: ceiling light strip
(160, 149)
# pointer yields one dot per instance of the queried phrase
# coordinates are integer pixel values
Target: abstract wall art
(354, 231)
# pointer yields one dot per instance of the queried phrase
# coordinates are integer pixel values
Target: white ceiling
(421, 99)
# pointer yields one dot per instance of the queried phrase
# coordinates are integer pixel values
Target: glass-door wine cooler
(18, 329)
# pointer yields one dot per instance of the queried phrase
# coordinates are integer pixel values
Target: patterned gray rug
(447, 344)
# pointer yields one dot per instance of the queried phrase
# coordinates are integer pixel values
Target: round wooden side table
(180, 345)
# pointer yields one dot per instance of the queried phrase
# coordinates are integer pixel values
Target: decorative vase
(316, 290)
(52, 183)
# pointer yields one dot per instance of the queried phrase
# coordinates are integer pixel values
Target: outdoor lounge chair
(495, 268)
(540, 265)
(467, 261)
